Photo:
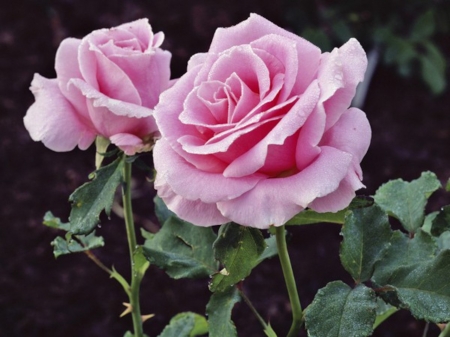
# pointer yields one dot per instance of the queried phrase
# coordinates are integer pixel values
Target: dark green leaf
(425, 290)
(406, 200)
(219, 313)
(89, 200)
(311, 217)
(76, 244)
(403, 255)
(432, 74)
(182, 249)
(441, 222)
(238, 249)
(339, 311)
(384, 311)
(424, 26)
(270, 251)
(161, 210)
(51, 221)
(366, 235)
(186, 324)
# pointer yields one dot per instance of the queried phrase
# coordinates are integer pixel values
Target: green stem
(297, 314)
(446, 331)
(253, 309)
(132, 245)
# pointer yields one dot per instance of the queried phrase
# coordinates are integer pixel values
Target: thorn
(128, 309)
(146, 317)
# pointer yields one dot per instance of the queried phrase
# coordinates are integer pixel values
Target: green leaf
(444, 241)
(238, 249)
(366, 233)
(182, 249)
(424, 26)
(76, 244)
(161, 210)
(51, 221)
(309, 216)
(406, 200)
(404, 254)
(219, 313)
(89, 200)
(186, 324)
(339, 311)
(432, 75)
(270, 251)
(441, 222)
(425, 290)
(384, 311)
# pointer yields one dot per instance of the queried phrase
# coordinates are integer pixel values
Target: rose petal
(255, 158)
(274, 201)
(203, 186)
(197, 212)
(53, 120)
(128, 143)
(256, 27)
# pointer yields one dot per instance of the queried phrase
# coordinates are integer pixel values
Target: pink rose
(259, 128)
(107, 84)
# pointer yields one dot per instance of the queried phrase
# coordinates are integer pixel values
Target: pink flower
(107, 84)
(259, 128)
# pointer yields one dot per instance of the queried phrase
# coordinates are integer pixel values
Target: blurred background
(407, 104)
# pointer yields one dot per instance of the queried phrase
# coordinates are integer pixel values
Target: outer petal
(53, 120)
(339, 75)
(193, 184)
(197, 212)
(129, 143)
(274, 201)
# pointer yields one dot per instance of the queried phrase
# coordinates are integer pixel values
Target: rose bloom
(259, 128)
(106, 84)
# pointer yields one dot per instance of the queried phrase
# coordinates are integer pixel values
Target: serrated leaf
(404, 254)
(219, 313)
(89, 200)
(444, 241)
(406, 200)
(76, 244)
(309, 216)
(340, 311)
(366, 233)
(186, 324)
(441, 222)
(428, 222)
(161, 210)
(182, 249)
(51, 221)
(425, 290)
(238, 249)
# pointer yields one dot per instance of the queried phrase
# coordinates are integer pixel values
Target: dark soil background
(41, 296)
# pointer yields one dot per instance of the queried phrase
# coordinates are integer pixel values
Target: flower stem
(297, 314)
(446, 331)
(132, 245)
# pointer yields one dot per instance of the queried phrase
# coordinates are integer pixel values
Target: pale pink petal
(117, 107)
(255, 158)
(148, 72)
(128, 143)
(274, 201)
(158, 40)
(336, 200)
(339, 74)
(246, 64)
(256, 27)
(143, 31)
(66, 66)
(193, 184)
(351, 134)
(196, 212)
(196, 60)
(53, 120)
